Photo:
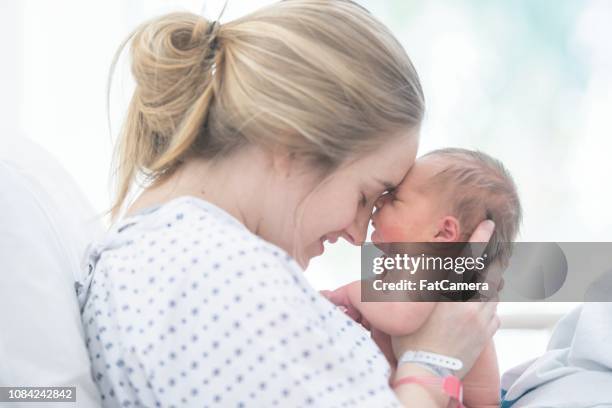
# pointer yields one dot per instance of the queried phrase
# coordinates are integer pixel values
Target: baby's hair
(482, 188)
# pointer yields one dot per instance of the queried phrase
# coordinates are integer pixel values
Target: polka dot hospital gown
(185, 307)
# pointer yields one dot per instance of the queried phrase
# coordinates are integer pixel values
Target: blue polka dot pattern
(186, 307)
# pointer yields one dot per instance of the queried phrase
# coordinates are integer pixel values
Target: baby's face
(415, 212)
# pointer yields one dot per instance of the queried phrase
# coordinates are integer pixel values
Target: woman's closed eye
(390, 191)
(386, 197)
(389, 194)
(364, 200)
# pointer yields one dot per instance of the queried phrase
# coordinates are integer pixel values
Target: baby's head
(444, 197)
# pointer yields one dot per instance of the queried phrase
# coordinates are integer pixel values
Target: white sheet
(45, 224)
(576, 370)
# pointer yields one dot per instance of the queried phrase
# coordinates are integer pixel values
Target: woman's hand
(459, 330)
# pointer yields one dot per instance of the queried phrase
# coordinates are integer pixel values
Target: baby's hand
(340, 298)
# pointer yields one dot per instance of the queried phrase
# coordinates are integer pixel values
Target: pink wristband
(450, 385)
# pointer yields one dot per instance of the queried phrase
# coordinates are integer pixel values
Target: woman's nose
(356, 234)
(358, 231)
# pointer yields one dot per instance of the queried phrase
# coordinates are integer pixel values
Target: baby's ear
(448, 230)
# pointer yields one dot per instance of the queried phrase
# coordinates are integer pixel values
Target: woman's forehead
(397, 160)
(387, 165)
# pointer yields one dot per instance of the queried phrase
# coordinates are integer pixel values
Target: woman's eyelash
(390, 191)
(364, 200)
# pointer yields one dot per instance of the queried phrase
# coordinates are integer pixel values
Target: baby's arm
(481, 385)
(393, 318)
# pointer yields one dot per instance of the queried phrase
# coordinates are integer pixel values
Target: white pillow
(45, 225)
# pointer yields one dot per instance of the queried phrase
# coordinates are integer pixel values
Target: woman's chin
(314, 250)
(320, 247)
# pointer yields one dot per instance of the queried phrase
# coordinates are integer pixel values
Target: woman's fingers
(492, 274)
(479, 239)
(490, 308)
(483, 232)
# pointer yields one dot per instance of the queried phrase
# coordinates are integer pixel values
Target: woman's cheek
(331, 220)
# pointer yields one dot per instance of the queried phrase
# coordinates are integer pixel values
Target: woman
(260, 139)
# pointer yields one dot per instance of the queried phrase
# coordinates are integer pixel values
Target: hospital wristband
(450, 385)
(434, 369)
(431, 360)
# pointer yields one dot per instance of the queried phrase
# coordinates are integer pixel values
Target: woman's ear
(449, 230)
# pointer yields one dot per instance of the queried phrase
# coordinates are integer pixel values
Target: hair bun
(171, 65)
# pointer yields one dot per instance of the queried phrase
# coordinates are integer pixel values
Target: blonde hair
(321, 79)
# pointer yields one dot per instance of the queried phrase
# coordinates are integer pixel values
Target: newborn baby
(446, 194)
